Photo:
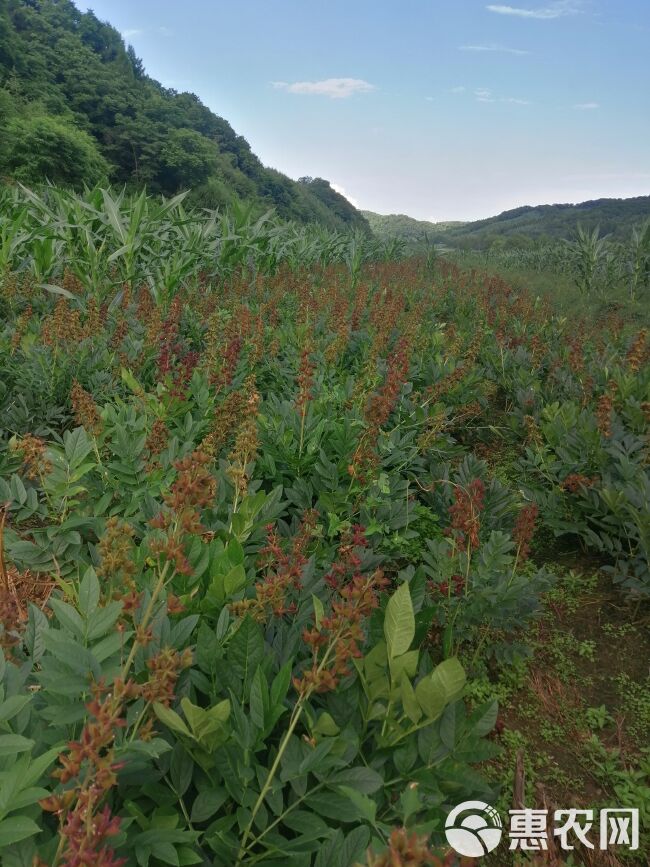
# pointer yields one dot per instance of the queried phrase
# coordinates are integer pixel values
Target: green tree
(186, 159)
(38, 147)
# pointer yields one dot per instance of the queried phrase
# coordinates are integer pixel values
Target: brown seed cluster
(85, 409)
(246, 445)
(406, 849)
(604, 410)
(226, 416)
(116, 554)
(22, 323)
(156, 441)
(337, 639)
(466, 514)
(524, 529)
(575, 482)
(193, 489)
(63, 326)
(283, 573)
(33, 451)
(89, 764)
(637, 354)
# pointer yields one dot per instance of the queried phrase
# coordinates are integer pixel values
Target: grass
(578, 710)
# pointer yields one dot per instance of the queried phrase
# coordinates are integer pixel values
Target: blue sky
(441, 109)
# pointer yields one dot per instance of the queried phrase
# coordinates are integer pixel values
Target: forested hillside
(520, 227)
(402, 226)
(526, 225)
(76, 106)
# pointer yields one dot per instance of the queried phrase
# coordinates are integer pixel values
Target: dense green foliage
(76, 105)
(255, 534)
(527, 226)
(406, 228)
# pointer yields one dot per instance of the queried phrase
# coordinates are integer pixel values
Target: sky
(440, 109)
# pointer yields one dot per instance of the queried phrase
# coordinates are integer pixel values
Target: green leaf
(362, 779)
(56, 290)
(484, 718)
(207, 803)
(88, 593)
(319, 610)
(15, 829)
(12, 706)
(11, 744)
(259, 699)
(399, 622)
(331, 805)
(68, 617)
(444, 685)
(280, 685)
(450, 677)
(246, 650)
(410, 703)
(77, 446)
(171, 719)
(365, 806)
(326, 726)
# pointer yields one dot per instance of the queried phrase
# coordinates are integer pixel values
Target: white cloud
(334, 88)
(483, 95)
(554, 10)
(129, 34)
(429, 98)
(341, 191)
(586, 106)
(165, 31)
(493, 46)
(459, 89)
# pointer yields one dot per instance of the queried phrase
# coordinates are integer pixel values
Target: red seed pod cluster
(284, 570)
(456, 586)
(524, 529)
(165, 668)
(466, 514)
(338, 638)
(383, 402)
(156, 441)
(229, 358)
(348, 562)
(89, 763)
(193, 489)
(183, 373)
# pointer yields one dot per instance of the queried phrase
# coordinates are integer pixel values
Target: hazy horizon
(439, 110)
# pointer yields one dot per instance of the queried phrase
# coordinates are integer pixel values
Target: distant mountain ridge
(76, 106)
(615, 217)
